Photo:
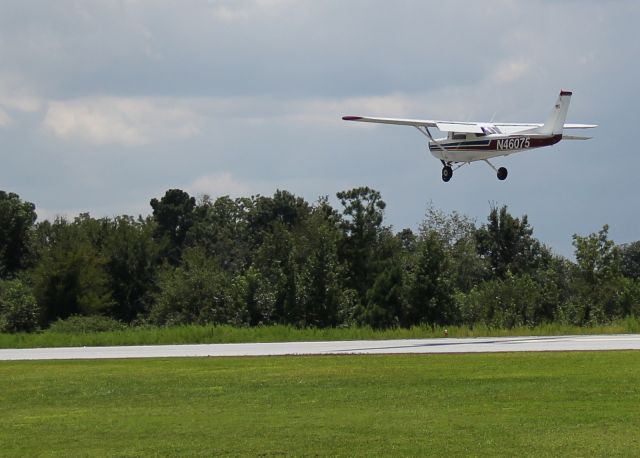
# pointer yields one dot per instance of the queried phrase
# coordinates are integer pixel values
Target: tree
(16, 220)
(131, 258)
(221, 229)
(385, 302)
(256, 296)
(466, 267)
(408, 241)
(631, 260)
(554, 289)
(274, 259)
(508, 244)
(597, 279)
(318, 271)
(363, 213)
(265, 213)
(452, 228)
(430, 292)
(196, 291)
(70, 278)
(628, 297)
(174, 215)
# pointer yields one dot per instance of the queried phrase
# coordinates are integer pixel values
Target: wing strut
(424, 130)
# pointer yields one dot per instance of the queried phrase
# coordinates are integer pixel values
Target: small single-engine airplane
(467, 142)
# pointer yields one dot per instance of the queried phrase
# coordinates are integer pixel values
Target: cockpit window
(491, 130)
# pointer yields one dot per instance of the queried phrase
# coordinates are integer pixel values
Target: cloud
(15, 96)
(4, 118)
(510, 70)
(120, 120)
(246, 10)
(245, 96)
(304, 111)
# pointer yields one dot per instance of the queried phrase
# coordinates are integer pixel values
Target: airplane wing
(444, 126)
(455, 126)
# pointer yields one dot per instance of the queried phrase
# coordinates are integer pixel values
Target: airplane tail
(555, 122)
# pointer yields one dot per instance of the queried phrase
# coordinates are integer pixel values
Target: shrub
(86, 324)
(19, 311)
(197, 291)
(506, 303)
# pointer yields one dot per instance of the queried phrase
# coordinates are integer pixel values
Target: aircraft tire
(447, 173)
(502, 173)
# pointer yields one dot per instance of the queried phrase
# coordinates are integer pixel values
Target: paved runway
(444, 345)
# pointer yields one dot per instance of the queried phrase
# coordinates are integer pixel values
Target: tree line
(282, 260)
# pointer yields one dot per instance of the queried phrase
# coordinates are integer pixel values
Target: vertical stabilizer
(555, 122)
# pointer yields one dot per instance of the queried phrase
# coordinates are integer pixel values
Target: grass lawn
(511, 404)
(195, 334)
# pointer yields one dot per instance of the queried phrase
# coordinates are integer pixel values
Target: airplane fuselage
(473, 148)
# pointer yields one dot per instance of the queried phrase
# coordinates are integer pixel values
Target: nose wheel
(447, 173)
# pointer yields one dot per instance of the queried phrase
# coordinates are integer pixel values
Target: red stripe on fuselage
(534, 142)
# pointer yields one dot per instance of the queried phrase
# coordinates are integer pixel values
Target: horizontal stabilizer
(575, 137)
(579, 126)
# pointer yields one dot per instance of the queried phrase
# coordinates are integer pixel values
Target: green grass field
(193, 334)
(537, 404)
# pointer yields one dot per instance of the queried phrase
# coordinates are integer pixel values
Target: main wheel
(447, 173)
(502, 173)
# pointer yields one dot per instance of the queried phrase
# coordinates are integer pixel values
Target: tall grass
(193, 334)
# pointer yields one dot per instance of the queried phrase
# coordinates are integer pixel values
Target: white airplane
(467, 142)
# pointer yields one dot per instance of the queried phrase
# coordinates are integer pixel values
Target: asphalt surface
(444, 345)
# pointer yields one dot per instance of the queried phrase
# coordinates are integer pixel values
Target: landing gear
(502, 173)
(447, 173)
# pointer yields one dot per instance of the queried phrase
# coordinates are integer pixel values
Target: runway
(359, 347)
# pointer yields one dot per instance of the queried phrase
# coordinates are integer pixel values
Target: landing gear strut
(447, 171)
(501, 172)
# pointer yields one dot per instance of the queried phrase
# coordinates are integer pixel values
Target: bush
(19, 311)
(86, 324)
(197, 291)
(628, 298)
(508, 303)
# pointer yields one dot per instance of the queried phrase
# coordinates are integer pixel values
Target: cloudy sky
(105, 105)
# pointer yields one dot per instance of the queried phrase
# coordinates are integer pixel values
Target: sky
(106, 105)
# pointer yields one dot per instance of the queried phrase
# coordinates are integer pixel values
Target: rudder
(555, 122)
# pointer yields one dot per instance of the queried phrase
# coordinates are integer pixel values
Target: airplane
(468, 142)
